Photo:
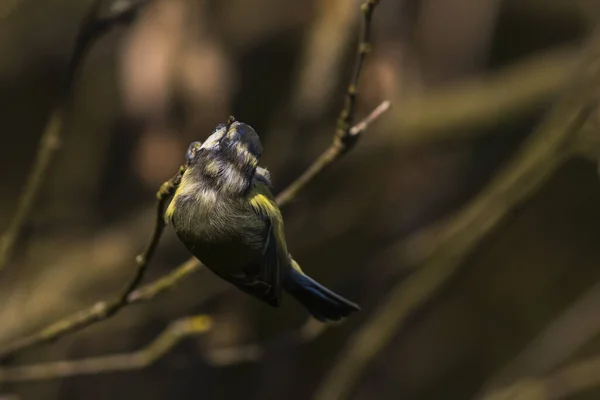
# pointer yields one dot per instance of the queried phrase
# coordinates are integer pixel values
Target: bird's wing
(270, 268)
(260, 279)
(275, 252)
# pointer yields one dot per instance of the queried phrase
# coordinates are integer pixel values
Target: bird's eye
(192, 151)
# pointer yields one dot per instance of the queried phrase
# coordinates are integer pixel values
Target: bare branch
(105, 309)
(375, 114)
(166, 190)
(167, 282)
(173, 334)
(541, 155)
(344, 140)
(98, 312)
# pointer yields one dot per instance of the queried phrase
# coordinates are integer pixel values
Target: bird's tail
(321, 303)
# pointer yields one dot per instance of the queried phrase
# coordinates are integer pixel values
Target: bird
(224, 212)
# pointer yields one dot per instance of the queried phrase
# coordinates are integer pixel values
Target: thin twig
(98, 312)
(343, 140)
(364, 48)
(535, 162)
(167, 282)
(375, 114)
(463, 110)
(163, 195)
(92, 27)
(315, 77)
(329, 156)
(173, 334)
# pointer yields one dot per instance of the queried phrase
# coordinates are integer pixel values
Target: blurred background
(468, 79)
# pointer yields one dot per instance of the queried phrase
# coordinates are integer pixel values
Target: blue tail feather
(321, 303)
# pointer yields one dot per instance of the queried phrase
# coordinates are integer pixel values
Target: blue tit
(226, 215)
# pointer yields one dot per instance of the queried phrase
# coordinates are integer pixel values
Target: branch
(344, 139)
(105, 309)
(91, 29)
(534, 163)
(463, 110)
(330, 31)
(173, 334)
(98, 312)
(166, 190)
